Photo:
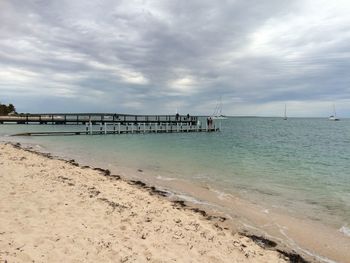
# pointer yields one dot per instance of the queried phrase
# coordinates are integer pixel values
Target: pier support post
(156, 127)
(118, 127)
(87, 128)
(144, 127)
(105, 128)
(132, 128)
(90, 123)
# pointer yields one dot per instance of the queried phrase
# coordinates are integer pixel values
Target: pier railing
(95, 118)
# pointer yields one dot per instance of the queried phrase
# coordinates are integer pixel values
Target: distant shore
(56, 210)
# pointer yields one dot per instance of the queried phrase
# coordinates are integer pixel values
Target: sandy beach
(57, 211)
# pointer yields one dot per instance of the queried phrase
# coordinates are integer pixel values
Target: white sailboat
(217, 115)
(334, 116)
(285, 112)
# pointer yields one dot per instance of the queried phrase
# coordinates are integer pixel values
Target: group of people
(210, 121)
(177, 116)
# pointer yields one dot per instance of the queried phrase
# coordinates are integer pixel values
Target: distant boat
(334, 116)
(285, 112)
(220, 117)
(217, 115)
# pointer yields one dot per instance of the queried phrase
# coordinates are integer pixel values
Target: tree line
(6, 109)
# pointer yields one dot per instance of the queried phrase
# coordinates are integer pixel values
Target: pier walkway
(112, 123)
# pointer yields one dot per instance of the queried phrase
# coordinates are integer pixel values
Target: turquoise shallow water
(299, 165)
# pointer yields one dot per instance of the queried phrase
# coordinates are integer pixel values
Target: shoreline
(218, 222)
(309, 238)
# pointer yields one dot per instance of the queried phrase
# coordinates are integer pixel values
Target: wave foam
(191, 199)
(165, 178)
(345, 230)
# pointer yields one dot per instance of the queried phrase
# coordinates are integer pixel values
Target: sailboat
(285, 112)
(217, 115)
(334, 116)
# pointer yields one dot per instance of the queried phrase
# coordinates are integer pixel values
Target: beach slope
(53, 210)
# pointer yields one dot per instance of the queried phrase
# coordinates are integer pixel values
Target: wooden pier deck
(112, 123)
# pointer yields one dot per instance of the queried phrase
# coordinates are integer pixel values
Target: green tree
(6, 109)
(11, 108)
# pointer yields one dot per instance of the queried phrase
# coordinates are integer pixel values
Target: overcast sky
(159, 56)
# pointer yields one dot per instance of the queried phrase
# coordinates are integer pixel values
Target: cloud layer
(159, 56)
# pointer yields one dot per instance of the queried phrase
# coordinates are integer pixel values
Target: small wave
(291, 242)
(219, 194)
(345, 230)
(195, 201)
(165, 178)
(297, 247)
(191, 199)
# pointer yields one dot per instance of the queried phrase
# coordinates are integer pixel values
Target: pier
(94, 118)
(112, 123)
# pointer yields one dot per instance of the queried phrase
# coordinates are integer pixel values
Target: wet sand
(312, 239)
(54, 210)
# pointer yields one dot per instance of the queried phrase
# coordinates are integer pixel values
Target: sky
(159, 57)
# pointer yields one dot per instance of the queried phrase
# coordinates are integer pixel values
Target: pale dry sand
(55, 211)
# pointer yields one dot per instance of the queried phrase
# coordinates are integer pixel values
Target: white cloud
(186, 84)
(16, 75)
(313, 29)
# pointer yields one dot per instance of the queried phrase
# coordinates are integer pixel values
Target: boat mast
(220, 109)
(285, 111)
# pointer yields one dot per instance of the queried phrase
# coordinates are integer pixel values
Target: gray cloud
(156, 56)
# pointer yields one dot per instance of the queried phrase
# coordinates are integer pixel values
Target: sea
(297, 168)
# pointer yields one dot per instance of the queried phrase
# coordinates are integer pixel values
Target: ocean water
(301, 166)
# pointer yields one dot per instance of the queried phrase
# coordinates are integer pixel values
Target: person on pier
(209, 123)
